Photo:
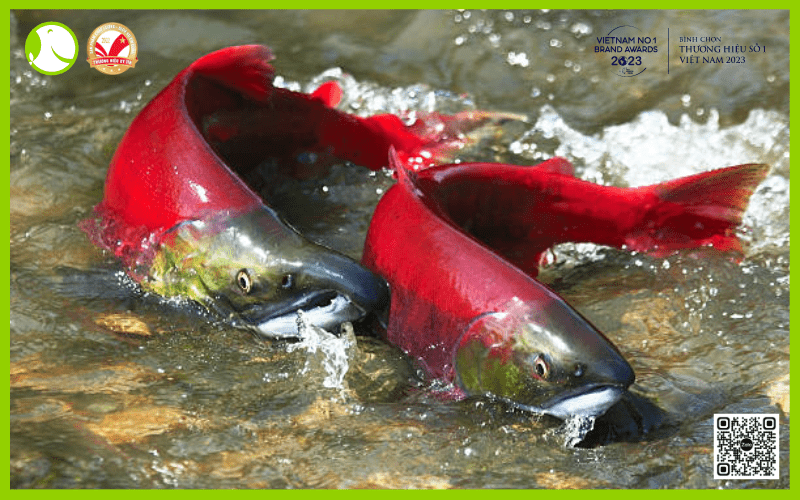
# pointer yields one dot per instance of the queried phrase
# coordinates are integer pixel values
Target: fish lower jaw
(339, 310)
(590, 401)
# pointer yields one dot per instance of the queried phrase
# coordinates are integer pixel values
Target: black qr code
(745, 446)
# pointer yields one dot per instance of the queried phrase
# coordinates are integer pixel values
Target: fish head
(257, 272)
(544, 358)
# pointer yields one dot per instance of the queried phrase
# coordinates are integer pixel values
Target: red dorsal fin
(330, 93)
(557, 165)
(245, 69)
(404, 175)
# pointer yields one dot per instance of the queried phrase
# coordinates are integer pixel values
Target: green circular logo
(51, 48)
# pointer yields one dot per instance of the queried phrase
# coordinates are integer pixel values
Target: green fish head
(545, 358)
(256, 271)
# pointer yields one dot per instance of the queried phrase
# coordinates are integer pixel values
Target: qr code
(745, 446)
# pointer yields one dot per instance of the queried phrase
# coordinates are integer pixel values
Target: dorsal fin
(405, 176)
(557, 165)
(330, 93)
(245, 69)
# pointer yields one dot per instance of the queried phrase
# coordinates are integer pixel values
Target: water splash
(650, 149)
(365, 98)
(575, 429)
(328, 354)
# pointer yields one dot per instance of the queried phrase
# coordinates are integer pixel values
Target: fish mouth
(322, 308)
(299, 275)
(585, 401)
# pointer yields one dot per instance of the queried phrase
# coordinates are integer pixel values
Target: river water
(112, 389)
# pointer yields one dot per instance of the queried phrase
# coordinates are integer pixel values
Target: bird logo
(51, 48)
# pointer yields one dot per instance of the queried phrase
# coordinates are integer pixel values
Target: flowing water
(110, 388)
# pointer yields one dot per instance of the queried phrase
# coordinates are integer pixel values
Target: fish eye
(540, 367)
(244, 280)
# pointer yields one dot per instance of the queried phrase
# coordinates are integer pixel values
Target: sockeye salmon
(178, 214)
(459, 246)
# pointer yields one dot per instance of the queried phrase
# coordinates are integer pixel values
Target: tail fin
(432, 139)
(699, 210)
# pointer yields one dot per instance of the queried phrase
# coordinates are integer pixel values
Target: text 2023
(626, 61)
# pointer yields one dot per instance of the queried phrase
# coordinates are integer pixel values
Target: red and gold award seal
(112, 49)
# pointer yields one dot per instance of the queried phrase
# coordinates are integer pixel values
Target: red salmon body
(460, 242)
(182, 156)
(179, 213)
(441, 278)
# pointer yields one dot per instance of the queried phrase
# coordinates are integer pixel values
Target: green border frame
(361, 4)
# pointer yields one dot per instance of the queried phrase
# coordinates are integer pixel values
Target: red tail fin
(699, 210)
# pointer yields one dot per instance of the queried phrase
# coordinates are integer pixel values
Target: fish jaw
(334, 309)
(543, 358)
(587, 401)
(336, 289)
(256, 272)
